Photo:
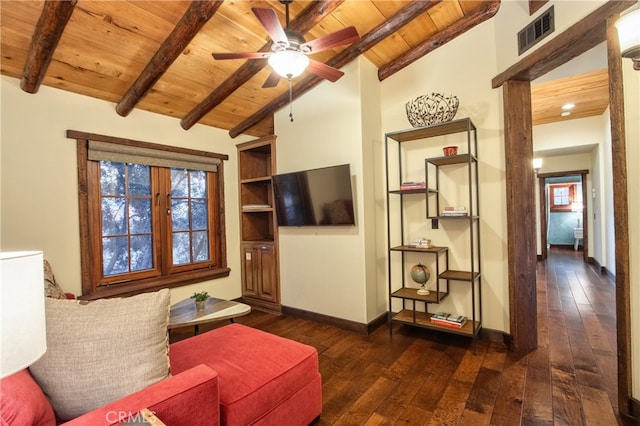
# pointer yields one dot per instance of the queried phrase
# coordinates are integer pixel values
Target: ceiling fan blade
(325, 71)
(272, 80)
(241, 55)
(269, 20)
(339, 38)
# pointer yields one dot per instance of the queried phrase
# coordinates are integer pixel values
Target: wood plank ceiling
(106, 46)
(156, 55)
(589, 92)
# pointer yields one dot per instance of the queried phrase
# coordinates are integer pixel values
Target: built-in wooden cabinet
(258, 226)
(259, 274)
(415, 180)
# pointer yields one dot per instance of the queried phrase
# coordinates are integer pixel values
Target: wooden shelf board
(459, 275)
(260, 210)
(470, 328)
(260, 179)
(263, 240)
(452, 159)
(432, 249)
(413, 191)
(411, 294)
(467, 217)
(456, 126)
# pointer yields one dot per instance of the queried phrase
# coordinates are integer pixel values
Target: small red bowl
(450, 150)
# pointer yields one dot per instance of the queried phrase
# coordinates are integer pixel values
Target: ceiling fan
(289, 52)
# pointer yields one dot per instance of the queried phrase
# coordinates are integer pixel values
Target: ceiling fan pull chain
(290, 101)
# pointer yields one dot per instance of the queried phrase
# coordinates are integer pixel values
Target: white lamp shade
(628, 27)
(537, 163)
(289, 63)
(24, 339)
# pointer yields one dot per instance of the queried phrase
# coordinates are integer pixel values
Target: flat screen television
(317, 197)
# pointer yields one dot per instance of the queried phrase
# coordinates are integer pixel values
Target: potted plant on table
(200, 299)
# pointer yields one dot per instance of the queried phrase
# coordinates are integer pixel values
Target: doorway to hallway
(564, 211)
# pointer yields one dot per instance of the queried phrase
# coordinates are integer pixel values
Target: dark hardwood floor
(417, 377)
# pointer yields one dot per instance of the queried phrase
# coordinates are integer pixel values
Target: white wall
(373, 190)
(606, 198)
(323, 269)
(632, 129)
(39, 175)
(578, 133)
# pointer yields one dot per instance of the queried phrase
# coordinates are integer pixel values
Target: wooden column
(621, 223)
(521, 234)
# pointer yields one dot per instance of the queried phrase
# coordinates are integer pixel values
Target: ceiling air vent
(536, 31)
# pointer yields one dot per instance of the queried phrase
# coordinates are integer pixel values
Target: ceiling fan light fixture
(289, 63)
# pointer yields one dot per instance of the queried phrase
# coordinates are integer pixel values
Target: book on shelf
(454, 214)
(448, 323)
(412, 185)
(452, 320)
(455, 209)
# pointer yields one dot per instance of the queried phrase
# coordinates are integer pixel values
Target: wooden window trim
(89, 248)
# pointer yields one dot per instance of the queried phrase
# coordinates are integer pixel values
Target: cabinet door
(259, 272)
(249, 284)
(267, 282)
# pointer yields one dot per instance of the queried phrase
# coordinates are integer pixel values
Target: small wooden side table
(184, 313)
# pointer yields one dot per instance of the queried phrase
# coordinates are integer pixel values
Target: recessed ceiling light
(566, 113)
(567, 107)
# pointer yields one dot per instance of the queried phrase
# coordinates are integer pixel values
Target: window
(150, 216)
(561, 197)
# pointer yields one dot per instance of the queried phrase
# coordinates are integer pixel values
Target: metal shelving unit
(433, 168)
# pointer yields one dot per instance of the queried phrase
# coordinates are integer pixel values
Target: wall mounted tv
(317, 197)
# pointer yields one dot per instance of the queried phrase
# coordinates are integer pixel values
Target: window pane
(140, 216)
(113, 216)
(561, 196)
(200, 246)
(189, 213)
(181, 248)
(179, 183)
(125, 211)
(115, 255)
(198, 184)
(139, 180)
(112, 178)
(200, 217)
(141, 253)
(180, 215)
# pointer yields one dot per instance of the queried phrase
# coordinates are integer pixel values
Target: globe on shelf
(421, 274)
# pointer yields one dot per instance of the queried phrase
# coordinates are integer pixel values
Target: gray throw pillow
(101, 351)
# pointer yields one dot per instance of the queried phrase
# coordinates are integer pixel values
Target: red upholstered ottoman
(263, 378)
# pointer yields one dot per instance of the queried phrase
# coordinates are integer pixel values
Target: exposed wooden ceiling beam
(51, 24)
(584, 35)
(302, 23)
(391, 25)
(488, 10)
(196, 15)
